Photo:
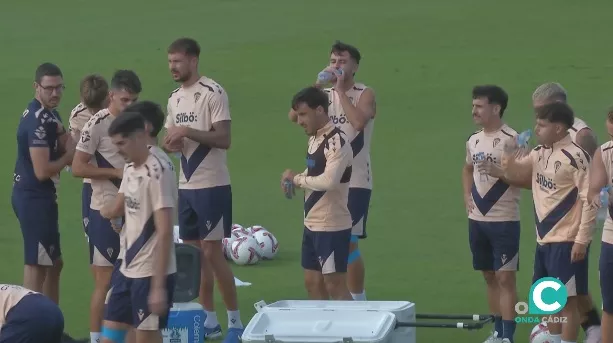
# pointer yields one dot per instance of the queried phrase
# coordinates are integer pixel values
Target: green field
(421, 57)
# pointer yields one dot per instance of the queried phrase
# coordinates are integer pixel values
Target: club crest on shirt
(476, 142)
(557, 166)
(85, 136)
(197, 96)
(496, 141)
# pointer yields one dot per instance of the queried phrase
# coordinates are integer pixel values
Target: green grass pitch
(422, 58)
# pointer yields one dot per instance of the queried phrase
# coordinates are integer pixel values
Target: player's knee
(490, 278)
(110, 335)
(335, 283)
(212, 250)
(506, 280)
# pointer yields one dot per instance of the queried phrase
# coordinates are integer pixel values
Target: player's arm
(467, 174)
(40, 153)
(337, 161)
(365, 110)
(168, 124)
(116, 209)
(86, 148)
(218, 137)
(597, 176)
(588, 212)
(162, 193)
(586, 139)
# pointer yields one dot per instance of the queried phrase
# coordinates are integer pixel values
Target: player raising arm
(327, 221)
(142, 292)
(43, 150)
(564, 217)
(583, 136)
(98, 158)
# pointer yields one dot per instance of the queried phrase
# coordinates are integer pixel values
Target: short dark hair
(187, 46)
(556, 112)
(339, 46)
(93, 90)
(127, 124)
(610, 114)
(494, 94)
(126, 80)
(46, 69)
(151, 112)
(313, 97)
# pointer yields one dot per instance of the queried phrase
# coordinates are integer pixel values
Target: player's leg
(148, 325)
(35, 318)
(118, 311)
(359, 200)
(483, 260)
(215, 219)
(332, 249)
(313, 279)
(606, 288)
(51, 286)
(190, 234)
(104, 250)
(505, 237)
(590, 318)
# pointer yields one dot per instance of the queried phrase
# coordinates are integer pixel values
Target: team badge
(476, 142)
(197, 96)
(557, 165)
(496, 141)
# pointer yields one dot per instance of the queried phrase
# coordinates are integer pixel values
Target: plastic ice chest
(403, 310)
(185, 323)
(320, 326)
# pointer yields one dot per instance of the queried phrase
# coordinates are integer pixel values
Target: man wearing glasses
(43, 150)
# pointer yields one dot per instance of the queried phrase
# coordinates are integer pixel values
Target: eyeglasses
(50, 89)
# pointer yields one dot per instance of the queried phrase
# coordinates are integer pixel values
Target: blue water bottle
(524, 137)
(326, 76)
(604, 204)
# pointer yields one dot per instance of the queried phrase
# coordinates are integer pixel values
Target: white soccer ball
(227, 246)
(268, 243)
(236, 226)
(255, 228)
(239, 232)
(246, 250)
(540, 334)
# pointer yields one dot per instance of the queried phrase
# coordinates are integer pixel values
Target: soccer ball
(268, 243)
(239, 232)
(227, 246)
(255, 228)
(246, 250)
(540, 334)
(236, 226)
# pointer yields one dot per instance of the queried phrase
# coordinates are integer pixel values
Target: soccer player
(142, 291)
(601, 175)
(98, 158)
(43, 150)
(327, 220)
(583, 136)
(564, 217)
(492, 204)
(94, 95)
(28, 317)
(198, 124)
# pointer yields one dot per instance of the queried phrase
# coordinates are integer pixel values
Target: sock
(498, 326)
(593, 319)
(567, 342)
(508, 329)
(359, 296)
(211, 319)
(556, 338)
(94, 337)
(234, 319)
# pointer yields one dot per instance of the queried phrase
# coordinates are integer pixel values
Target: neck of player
(113, 111)
(191, 81)
(493, 125)
(141, 157)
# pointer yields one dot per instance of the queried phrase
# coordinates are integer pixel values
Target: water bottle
(480, 157)
(524, 137)
(326, 76)
(117, 222)
(604, 205)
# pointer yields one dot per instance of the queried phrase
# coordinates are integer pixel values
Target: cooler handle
(259, 305)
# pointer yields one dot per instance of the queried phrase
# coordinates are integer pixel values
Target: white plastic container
(403, 310)
(320, 326)
(185, 323)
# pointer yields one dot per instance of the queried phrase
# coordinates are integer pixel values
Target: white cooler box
(350, 317)
(185, 323)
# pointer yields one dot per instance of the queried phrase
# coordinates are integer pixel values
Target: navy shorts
(553, 260)
(86, 200)
(205, 214)
(103, 241)
(606, 276)
(38, 219)
(128, 302)
(34, 319)
(324, 251)
(359, 201)
(494, 245)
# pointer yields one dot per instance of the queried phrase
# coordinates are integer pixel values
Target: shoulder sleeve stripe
(506, 133)
(573, 128)
(159, 162)
(538, 147)
(607, 148)
(101, 118)
(173, 92)
(573, 162)
(207, 86)
(74, 115)
(587, 156)
(472, 134)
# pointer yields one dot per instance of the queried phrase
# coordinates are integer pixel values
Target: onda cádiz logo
(547, 297)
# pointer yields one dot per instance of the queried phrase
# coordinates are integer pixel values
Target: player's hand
(287, 183)
(340, 80)
(511, 147)
(175, 135)
(327, 69)
(118, 173)
(157, 301)
(469, 203)
(578, 253)
(490, 168)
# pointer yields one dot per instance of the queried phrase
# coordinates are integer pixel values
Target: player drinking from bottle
(492, 204)
(564, 218)
(583, 136)
(327, 221)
